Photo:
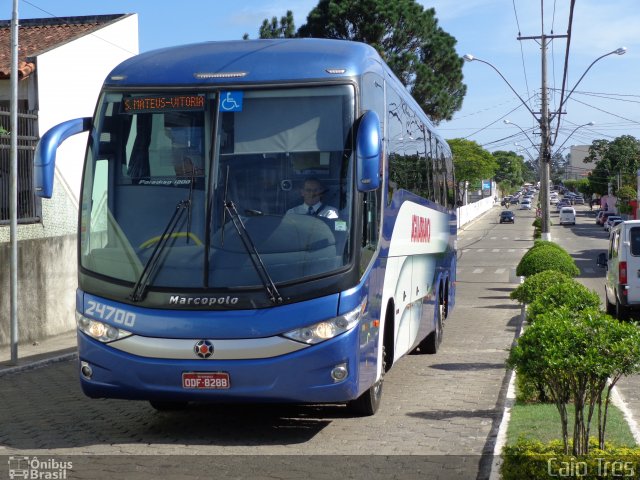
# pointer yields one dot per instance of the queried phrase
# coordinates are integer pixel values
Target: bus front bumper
(303, 376)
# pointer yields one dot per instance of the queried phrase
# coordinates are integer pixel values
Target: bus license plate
(206, 380)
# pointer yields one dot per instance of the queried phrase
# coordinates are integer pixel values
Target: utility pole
(545, 147)
(545, 135)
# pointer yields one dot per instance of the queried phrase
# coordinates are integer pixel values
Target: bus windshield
(165, 170)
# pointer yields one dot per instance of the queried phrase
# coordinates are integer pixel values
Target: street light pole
(509, 122)
(545, 119)
(13, 188)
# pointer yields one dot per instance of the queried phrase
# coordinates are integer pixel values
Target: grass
(535, 421)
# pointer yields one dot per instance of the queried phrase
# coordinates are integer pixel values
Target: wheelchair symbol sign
(231, 101)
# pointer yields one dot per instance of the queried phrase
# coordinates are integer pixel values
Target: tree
(472, 163)
(580, 356)
(557, 168)
(406, 36)
(618, 158)
(274, 29)
(510, 168)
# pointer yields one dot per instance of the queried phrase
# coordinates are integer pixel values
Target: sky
(608, 94)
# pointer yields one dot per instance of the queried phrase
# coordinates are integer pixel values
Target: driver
(311, 193)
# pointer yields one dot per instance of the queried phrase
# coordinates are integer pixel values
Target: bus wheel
(168, 406)
(367, 404)
(431, 344)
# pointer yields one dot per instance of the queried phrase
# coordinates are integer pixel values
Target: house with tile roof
(62, 64)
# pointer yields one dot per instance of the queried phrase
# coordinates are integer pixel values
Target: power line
(524, 68)
(92, 34)
(566, 68)
(608, 113)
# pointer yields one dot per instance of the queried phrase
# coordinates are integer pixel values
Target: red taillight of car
(622, 272)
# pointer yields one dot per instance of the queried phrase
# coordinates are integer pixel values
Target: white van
(622, 261)
(567, 216)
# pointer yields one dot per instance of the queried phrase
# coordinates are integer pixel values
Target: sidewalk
(37, 354)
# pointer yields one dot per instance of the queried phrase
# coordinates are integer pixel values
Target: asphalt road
(439, 417)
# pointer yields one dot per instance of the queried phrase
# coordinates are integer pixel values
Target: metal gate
(29, 205)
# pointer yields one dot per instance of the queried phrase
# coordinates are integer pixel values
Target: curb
(35, 364)
(618, 400)
(501, 438)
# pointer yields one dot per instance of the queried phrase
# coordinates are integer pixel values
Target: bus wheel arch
(368, 403)
(388, 337)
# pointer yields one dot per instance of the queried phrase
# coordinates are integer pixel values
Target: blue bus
(202, 277)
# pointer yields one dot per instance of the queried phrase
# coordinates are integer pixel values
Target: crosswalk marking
(499, 271)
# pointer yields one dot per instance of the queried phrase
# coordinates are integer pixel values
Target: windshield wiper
(154, 259)
(256, 259)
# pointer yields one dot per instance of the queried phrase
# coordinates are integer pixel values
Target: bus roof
(246, 61)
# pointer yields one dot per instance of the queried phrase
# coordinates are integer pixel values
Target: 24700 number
(107, 312)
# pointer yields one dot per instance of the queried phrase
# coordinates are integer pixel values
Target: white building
(62, 65)
(577, 169)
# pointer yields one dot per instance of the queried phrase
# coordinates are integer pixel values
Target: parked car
(614, 223)
(622, 261)
(567, 216)
(507, 217)
(603, 215)
(609, 221)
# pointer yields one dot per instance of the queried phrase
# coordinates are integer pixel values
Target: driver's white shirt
(326, 211)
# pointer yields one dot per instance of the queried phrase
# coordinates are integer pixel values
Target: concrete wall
(47, 281)
(474, 210)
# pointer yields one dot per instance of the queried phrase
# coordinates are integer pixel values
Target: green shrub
(533, 460)
(568, 293)
(534, 285)
(578, 356)
(531, 391)
(547, 243)
(546, 257)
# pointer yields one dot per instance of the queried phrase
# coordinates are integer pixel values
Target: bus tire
(431, 344)
(368, 403)
(162, 406)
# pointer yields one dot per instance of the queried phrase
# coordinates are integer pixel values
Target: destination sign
(162, 103)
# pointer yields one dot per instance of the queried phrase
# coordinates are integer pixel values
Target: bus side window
(370, 227)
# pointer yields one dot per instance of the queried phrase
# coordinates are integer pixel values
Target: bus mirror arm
(368, 152)
(44, 161)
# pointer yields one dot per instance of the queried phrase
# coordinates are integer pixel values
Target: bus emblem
(203, 349)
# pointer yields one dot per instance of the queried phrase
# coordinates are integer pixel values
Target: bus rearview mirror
(368, 152)
(44, 162)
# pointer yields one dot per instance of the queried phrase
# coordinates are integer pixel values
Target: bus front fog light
(339, 372)
(85, 370)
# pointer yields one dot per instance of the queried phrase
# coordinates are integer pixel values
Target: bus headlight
(326, 329)
(98, 330)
